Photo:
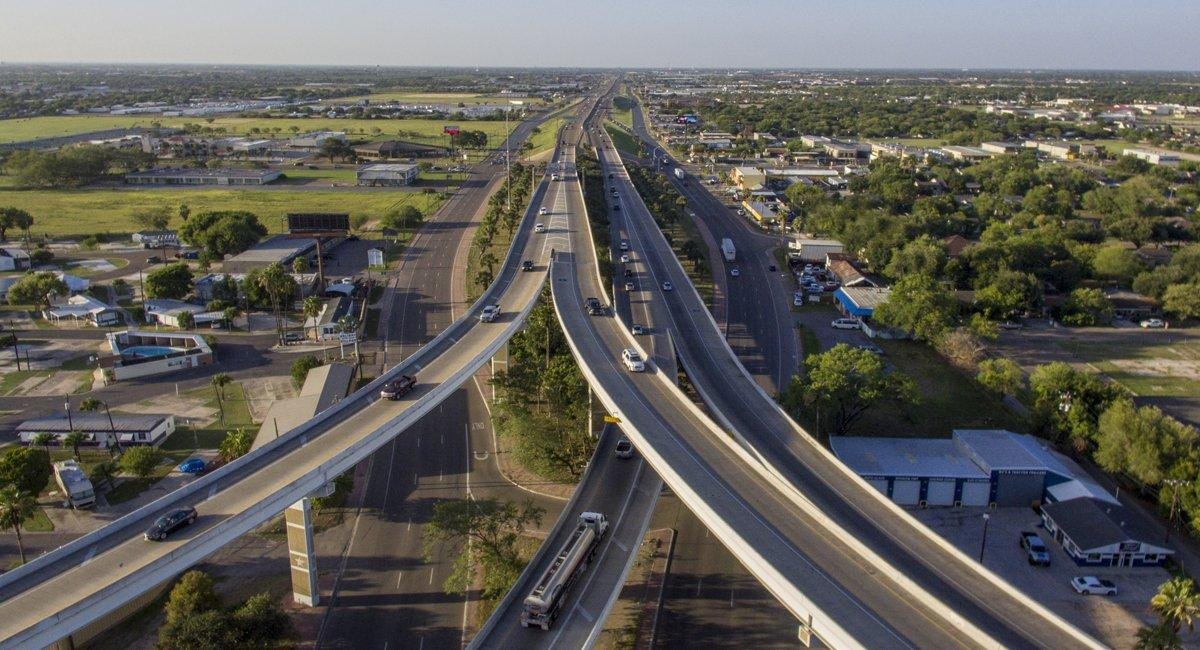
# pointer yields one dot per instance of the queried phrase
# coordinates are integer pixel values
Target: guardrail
(772, 473)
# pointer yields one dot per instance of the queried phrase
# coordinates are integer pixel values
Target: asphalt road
(759, 326)
(895, 537)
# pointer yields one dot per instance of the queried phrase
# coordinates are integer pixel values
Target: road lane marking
(398, 579)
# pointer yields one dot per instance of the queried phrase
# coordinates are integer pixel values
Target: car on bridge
(638, 330)
(633, 360)
(667, 286)
(169, 523)
(629, 285)
(398, 387)
(594, 307)
(543, 210)
(489, 313)
(735, 272)
(624, 245)
(527, 265)
(539, 227)
(624, 448)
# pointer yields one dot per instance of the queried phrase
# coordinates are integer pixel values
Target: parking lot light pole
(983, 544)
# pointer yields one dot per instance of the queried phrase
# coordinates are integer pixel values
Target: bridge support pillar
(499, 364)
(298, 520)
(806, 633)
(596, 413)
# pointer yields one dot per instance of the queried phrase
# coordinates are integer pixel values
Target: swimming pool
(147, 351)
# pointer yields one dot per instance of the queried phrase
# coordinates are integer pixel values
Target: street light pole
(70, 422)
(983, 544)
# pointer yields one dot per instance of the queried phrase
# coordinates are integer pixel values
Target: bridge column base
(298, 520)
(596, 414)
(499, 363)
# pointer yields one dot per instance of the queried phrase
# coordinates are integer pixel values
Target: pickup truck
(1035, 550)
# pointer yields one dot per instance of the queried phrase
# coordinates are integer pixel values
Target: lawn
(948, 399)
(77, 213)
(544, 136)
(468, 99)
(623, 140)
(622, 111)
(237, 415)
(417, 130)
(1163, 370)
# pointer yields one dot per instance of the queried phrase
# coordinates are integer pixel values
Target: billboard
(318, 222)
(451, 129)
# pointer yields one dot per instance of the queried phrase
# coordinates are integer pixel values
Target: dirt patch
(48, 355)
(262, 392)
(187, 410)
(60, 383)
(1183, 368)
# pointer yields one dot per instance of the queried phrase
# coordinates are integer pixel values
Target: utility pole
(983, 544)
(1174, 483)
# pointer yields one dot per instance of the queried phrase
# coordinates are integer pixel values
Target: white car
(846, 324)
(1088, 585)
(633, 360)
(1153, 323)
(667, 286)
(625, 259)
(624, 245)
(797, 298)
(489, 313)
(539, 227)
(735, 272)
(543, 211)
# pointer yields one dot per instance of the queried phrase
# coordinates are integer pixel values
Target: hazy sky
(1108, 34)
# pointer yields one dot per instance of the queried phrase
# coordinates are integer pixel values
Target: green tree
(273, 285)
(184, 212)
(405, 217)
(15, 507)
(14, 218)
(153, 218)
(210, 630)
(103, 474)
(73, 440)
(1008, 292)
(1183, 300)
(141, 461)
(920, 305)
(186, 320)
(1086, 306)
(222, 233)
(842, 384)
(301, 366)
(193, 594)
(219, 381)
(1067, 403)
(36, 289)
(312, 307)
(259, 622)
(236, 443)
(922, 255)
(1001, 376)
(1177, 603)
(1117, 264)
(300, 264)
(170, 281)
(26, 468)
(90, 404)
(43, 440)
(336, 148)
(1141, 442)
(485, 529)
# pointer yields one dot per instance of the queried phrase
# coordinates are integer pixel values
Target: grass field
(468, 99)
(543, 140)
(623, 140)
(418, 130)
(1164, 370)
(622, 111)
(77, 213)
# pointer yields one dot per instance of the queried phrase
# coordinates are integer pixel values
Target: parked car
(735, 272)
(192, 466)
(830, 286)
(633, 360)
(292, 337)
(398, 387)
(846, 324)
(1010, 325)
(489, 313)
(1152, 323)
(527, 265)
(616, 207)
(624, 449)
(1035, 549)
(798, 298)
(771, 268)
(169, 523)
(154, 259)
(538, 227)
(873, 349)
(1088, 585)
(667, 286)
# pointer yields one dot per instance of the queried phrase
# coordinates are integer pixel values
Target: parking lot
(1113, 620)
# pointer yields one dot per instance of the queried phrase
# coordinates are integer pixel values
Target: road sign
(347, 337)
(374, 257)
(450, 129)
(612, 419)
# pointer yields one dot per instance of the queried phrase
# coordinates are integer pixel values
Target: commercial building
(142, 354)
(846, 150)
(14, 259)
(766, 214)
(1097, 533)
(280, 249)
(975, 467)
(314, 139)
(387, 175)
(1059, 150)
(332, 321)
(1154, 157)
(101, 429)
(190, 177)
(860, 301)
(814, 141)
(398, 149)
(967, 153)
(809, 249)
(74, 485)
(157, 239)
(1002, 147)
(168, 311)
(748, 178)
(844, 269)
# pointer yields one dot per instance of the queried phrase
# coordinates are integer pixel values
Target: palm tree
(15, 507)
(312, 308)
(73, 440)
(90, 404)
(103, 473)
(1177, 603)
(1157, 637)
(219, 382)
(43, 440)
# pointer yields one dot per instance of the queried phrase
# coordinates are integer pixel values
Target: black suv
(170, 522)
(594, 307)
(527, 265)
(398, 388)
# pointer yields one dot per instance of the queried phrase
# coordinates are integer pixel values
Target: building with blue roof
(860, 301)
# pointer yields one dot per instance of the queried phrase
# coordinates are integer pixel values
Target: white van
(846, 324)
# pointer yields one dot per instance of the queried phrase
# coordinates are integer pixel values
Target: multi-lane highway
(83, 581)
(937, 597)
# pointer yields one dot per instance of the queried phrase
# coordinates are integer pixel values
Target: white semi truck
(728, 250)
(546, 599)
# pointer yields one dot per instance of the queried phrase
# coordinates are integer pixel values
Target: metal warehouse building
(975, 467)
(387, 174)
